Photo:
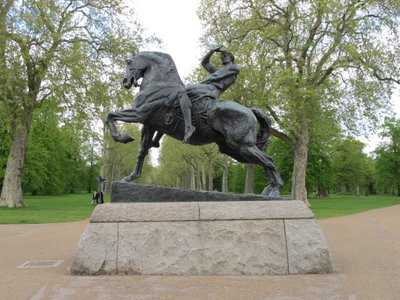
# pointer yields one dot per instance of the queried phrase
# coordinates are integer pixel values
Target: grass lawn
(49, 209)
(342, 205)
(77, 207)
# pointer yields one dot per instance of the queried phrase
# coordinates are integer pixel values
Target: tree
(185, 166)
(45, 49)
(310, 62)
(387, 159)
(319, 170)
(352, 167)
(283, 157)
(59, 158)
(321, 151)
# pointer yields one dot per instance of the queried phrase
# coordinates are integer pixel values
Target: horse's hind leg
(254, 155)
(251, 154)
(145, 144)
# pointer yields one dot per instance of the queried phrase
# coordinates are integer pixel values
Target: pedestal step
(201, 238)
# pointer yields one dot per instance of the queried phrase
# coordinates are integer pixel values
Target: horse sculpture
(233, 127)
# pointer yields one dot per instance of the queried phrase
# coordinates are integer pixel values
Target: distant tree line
(67, 157)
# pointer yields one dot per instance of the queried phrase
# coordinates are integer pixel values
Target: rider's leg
(186, 105)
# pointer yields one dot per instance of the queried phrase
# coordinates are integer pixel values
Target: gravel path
(365, 250)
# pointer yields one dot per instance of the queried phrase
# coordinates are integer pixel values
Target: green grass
(77, 207)
(342, 205)
(49, 209)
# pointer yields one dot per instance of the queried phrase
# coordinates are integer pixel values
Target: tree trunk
(203, 177)
(210, 175)
(299, 191)
(199, 185)
(225, 175)
(102, 172)
(192, 183)
(249, 187)
(110, 175)
(89, 187)
(11, 194)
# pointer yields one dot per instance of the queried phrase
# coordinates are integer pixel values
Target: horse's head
(135, 68)
(152, 67)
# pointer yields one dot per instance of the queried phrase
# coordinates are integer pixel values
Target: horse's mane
(163, 58)
(165, 61)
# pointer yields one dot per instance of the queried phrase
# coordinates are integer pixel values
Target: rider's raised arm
(205, 62)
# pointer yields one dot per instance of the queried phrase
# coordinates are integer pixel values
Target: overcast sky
(176, 23)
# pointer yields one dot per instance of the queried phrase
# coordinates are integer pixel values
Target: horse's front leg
(145, 144)
(128, 116)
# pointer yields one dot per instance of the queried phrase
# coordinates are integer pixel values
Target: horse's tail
(264, 130)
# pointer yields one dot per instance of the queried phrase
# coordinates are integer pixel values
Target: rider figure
(213, 86)
(220, 79)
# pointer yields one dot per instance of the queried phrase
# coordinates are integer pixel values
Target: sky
(176, 23)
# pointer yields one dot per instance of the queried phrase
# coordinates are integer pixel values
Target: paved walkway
(365, 250)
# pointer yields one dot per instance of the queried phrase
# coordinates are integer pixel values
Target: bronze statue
(212, 86)
(193, 114)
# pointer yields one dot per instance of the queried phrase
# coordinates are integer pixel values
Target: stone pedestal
(193, 238)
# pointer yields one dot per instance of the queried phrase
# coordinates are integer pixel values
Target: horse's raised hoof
(124, 138)
(126, 179)
(188, 133)
(130, 177)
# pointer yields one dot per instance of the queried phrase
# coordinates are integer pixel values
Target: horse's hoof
(130, 178)
(124, 138)
(126, 179)
(188, 133)
(275, 193)
(267, 190)
(271, 191)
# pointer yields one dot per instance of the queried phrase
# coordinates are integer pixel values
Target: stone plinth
(126, 192)
(193, 238)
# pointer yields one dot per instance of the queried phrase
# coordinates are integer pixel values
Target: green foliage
(65, 59)
(387, 161)
(320, 165)
(237, 175)
(283, 157)
(305, 50)
(352, 167)
(60, 52)
(56, 160)
(5, 138)
(189, 167)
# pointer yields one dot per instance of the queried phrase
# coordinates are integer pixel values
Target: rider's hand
(217, 49)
